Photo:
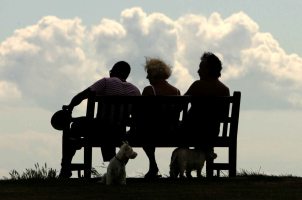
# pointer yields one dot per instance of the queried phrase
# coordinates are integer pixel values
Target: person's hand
(67, 108)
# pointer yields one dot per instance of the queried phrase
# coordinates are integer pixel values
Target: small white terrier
(116, 170)
(185, 160)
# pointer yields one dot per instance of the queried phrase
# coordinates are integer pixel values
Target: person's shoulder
(133, 88)
(114, 79)
(224, 89)
(175, 89)
(223, 85)
(130, 84)
(148, 90)
(197, 84)
(99, 83)
(101, 80)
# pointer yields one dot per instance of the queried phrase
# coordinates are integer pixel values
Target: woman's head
(157, 69)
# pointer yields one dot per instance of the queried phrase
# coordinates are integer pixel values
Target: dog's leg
(198, 172)
(188, 173)
(109, 180)
(110, 175)
(177, 173)
(123, 176)
(174, 170)
(182, 170)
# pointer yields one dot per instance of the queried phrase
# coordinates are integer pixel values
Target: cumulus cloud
(52, 60)
(9, 91)
(46, 61)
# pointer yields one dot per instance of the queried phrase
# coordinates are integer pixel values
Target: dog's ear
(125, 142)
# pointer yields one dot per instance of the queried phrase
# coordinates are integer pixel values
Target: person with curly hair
(157, 73)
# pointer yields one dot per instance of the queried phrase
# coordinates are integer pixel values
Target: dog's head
(126, 152)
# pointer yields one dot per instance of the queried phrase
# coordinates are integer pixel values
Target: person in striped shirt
(115, 84)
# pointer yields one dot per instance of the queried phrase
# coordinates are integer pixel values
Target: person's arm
(77, 99)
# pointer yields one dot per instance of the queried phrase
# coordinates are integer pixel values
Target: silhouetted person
(157, 73)
(202, 119)
(114, 85)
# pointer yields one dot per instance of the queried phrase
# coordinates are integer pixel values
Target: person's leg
(68, 151)
(108, 152)
(153, 168)
(69, 145)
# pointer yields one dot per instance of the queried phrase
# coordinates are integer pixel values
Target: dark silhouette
(157, 73)
(204, 118)
(61, 120)
(114, 85)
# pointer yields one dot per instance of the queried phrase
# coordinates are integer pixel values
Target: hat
(61, 119)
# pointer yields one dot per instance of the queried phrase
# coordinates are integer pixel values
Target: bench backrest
(123, 111)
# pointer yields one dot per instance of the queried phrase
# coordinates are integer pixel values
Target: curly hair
(157, 69)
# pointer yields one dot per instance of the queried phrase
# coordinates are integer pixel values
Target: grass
(38, 172)
(247, 185)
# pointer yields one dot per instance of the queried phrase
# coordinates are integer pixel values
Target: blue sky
(50, 50)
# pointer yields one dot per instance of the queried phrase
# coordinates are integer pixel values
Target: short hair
(214, 64)
(121, 69)
(157, 69)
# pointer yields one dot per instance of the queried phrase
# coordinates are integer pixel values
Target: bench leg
(209, 168)
(232, 161)
(87, 162)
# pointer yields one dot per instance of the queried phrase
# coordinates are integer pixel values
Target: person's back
(203, 119)
(115, 87)
(208, 88)
(112, 86)
(160, 116)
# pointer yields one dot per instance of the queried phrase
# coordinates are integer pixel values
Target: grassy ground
(277, 188)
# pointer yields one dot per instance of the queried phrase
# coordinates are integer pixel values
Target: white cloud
(9, 91)
(50, 61)
(46, 61)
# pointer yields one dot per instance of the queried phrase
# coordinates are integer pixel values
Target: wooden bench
(123, 111)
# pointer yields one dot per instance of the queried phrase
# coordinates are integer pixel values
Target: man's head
(210, 66)
(121, 70)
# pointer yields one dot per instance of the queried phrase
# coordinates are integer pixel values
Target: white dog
(116, 170)
(185, 160)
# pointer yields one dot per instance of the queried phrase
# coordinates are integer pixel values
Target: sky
(51, 50)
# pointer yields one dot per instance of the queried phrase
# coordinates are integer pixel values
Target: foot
(152, 174)
(64, 174)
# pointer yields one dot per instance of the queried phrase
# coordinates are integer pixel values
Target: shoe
(152, 175)
(64, 174)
